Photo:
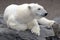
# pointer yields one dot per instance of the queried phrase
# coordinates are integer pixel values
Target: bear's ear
(29, 7)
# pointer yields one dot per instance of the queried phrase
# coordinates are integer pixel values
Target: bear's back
(11, 9)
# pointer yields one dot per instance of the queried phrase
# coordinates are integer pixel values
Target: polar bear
(24, 16)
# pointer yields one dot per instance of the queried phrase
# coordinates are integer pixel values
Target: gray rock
(8, 34)
(56, 26)
(46, 32)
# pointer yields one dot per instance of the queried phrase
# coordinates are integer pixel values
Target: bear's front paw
(36, 30)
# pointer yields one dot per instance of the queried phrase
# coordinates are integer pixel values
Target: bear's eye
(39, 9)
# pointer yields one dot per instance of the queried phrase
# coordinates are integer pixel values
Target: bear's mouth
(45, 14)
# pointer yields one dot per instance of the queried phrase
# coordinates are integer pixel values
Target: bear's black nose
(46, 14)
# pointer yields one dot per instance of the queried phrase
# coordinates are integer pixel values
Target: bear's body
(22, 17)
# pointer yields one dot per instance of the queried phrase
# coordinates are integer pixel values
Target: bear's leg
(12, 23)
(45, 21)
(35, 27)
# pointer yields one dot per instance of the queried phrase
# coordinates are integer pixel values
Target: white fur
(20, 17)
(45, 21)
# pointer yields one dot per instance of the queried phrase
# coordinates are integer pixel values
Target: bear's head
(37, 10)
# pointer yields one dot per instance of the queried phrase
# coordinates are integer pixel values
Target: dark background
(52, 6)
